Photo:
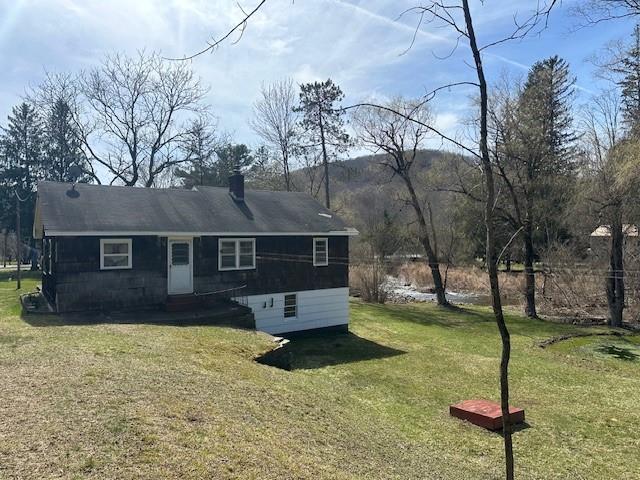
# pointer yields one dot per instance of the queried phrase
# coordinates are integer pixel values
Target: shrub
(368, 280)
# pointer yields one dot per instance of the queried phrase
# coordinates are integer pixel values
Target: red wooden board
(484, 413)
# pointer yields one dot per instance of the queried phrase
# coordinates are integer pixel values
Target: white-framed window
(236, 253)
(115, 253)
(320, 252)
(291, 305)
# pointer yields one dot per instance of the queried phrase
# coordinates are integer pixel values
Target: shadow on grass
(619, 352)
(518, 427)
(450, 316)
(323, 350)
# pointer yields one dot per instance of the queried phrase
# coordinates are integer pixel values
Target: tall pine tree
(322, 123)
(629, 69)
(22, 143)
(535, 156)
(62, 147)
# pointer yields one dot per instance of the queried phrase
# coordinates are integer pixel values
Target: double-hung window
(320, 252)
(236, 253)
(115, 253)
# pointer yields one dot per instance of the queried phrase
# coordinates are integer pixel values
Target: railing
(236, 294)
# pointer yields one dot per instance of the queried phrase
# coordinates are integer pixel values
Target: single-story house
(110, 248)
(600, 238)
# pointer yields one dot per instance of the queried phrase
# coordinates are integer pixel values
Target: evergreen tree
(322, 123)
(229, 156)
(215, 171)
(21, 164)
(629, 68)
(62, 147)
(545, 116)
(199, 150)
(535, 156)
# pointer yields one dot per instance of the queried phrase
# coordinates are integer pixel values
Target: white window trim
(237, 252)
(284, 306)
(108, 241)
(326, 262)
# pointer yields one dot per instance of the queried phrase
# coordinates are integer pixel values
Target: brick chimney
(236, 184)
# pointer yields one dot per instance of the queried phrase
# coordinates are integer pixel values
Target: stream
(400, 290)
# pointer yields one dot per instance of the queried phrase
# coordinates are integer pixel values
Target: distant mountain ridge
(362, 189)
(363, 171)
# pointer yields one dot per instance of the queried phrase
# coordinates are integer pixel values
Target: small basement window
(291, 305)
(320, 252)
(115, 253)
(236, 254)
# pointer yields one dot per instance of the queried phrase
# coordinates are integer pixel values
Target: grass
(149, 401)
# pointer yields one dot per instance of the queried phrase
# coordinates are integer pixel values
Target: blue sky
(358, 43)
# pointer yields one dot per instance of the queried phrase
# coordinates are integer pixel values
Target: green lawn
(149, 401)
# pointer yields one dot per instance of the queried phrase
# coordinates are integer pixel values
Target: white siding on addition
(314, 309)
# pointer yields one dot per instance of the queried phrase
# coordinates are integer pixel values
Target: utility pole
(18, 239)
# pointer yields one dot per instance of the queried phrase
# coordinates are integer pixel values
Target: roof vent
(236, 184)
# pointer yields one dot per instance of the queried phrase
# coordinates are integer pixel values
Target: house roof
(605, 231)
(114, 210)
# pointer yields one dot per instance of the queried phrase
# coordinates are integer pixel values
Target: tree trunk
(615, 275)
(530, 277)
(18, 243)
(4, 251)
(492, 268)
(432, 256)
(285, 169)
(325, 162)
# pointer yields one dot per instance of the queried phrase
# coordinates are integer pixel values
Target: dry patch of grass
(148, 401)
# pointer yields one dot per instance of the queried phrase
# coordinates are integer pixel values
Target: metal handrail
(197, 294)
(233, 294)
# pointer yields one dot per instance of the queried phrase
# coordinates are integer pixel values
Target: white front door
(180, 263)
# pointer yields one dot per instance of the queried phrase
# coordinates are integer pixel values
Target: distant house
(116, 248)
(600, 238)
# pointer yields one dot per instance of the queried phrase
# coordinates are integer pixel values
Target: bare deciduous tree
(611, 184)
(595, 11)
(136, 105)
(131, 114)
(275, 122)
(400, 139)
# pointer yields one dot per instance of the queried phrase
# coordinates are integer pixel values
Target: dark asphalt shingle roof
(98, 208)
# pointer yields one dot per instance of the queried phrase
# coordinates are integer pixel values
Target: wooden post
(18, 239)
(5, 234)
